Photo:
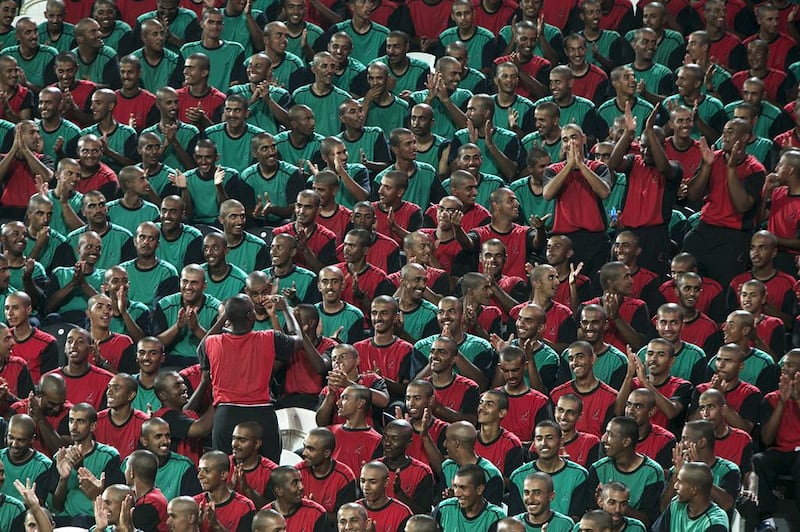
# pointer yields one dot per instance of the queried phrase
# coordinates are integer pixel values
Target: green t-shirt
(759, 147)
(120, 37)
(115, 242)
(473, 80)
(295, 44)
(230, 285)
(574, 113)
(488, 184)
(640, 110)
(48, 254)
(122, 140)
(282, 73)
(260, 114)
(226, 62)
(524, 108)
(36, 468)
(685, 361)
(476, 349)
(670, 41)
(412, 79)
(65, 41)
(39, 274)
(98, 69)
(769, 113)
(292, 154)
(282, 187)
(479, 46)
(442, 124)
(710, 110)
(138, 311)
(532, 204)
(604, 42)
(174, 252)
(387, 117)
(558, 522)
(450, 467)
(159, 180)
(144, 397)
(131, 218)
(147, 286)
(569, 484)
(166, 315)
(551, 32)
(372, 141)
(57, 222)
(170, 476)
(359, 173)
(450, 517)
(676, 517)
(326, 108)
(658, 79)
(204, 194)
(233, 152)
(631, 525)
(648, 478)
(76, 300)
(352, 70)
(103, 458)
(39, 67)
(185, 20)
(235, 29)
(421, 323)
(506, 141)
(366, 46)
(250, 254)
(535, 138)
(759, 370)
(350, 318)
(186, 135)
(69, 131)
(303, 280)
(156, 76)
(433, 154)
(607, 365)
(419, 184)
(616, 198)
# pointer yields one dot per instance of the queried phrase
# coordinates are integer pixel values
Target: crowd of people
(547, 282)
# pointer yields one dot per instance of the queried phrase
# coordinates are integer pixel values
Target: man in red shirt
(325, 480)
(19, 167)
(120, 425)
(150, 507)
(231, 510)
(199, 103)
(780, 432)
(242, 390)
(578, 185)
(249, 471)
(385, 512)
(729, 181)
(300, 512)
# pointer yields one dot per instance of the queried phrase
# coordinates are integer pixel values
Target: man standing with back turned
(241, 388)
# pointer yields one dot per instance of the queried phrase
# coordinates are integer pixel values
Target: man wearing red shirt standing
(242, 390)
(578, 185)
(729, 182)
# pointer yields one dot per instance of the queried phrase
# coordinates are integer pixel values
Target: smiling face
(193, 283)
(581, 361)
(157, 440)
(536, 495)
(149, 356)
(547, 442)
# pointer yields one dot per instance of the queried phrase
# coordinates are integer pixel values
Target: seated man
(232, 509)
(73, 496)
(69, 288)
(182, 319)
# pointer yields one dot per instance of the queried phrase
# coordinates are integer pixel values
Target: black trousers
(227, 416)
(768, 465)
(721, 253)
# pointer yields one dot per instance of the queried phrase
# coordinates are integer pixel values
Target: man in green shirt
(468, 510)
(537, 494)
(226, 57)
(692, 510)
(20, 460)
(82, 469)
(176, 475)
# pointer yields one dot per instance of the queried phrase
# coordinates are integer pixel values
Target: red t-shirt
(308, 516)
(524, 412)
(87, 388)
(598, 406)
(787, 439)
(258, 477)
(40, 352)
(646, 187)
(717, 207)
(97, 180)
(125, 437)
(390, 517)
(379, 251)
(332, 490)
(336, 222)
(699, 330)
(393, 360)
(772, 82)
(247, 381)
(21, 99)
(689, 159)
(460, 395)
(429, 20)
(402, 217)
(736, 446)
(115, 348)
(229, 513)
(211, 102)
(516, 242)
(300, 377)
(633, 311)
(784, 215)
(139, 106)
(152, 499)
(613, 19)
(506, 445)
(369, 281)
(58, 422)
(20, 184)
(416, 449)
(356, 447)
(656, 442)
(779, 287)
(586, 85)
(557, 13)
(129, 10)
(444, 251)
(578, 208)
(778, 50)
(416, 479)
(711, 289)
(322, 242)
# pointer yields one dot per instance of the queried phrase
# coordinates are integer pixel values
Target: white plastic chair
(429, 59)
